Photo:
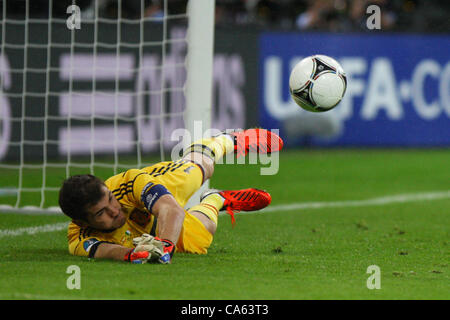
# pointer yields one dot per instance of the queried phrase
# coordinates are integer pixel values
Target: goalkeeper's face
(106, 214)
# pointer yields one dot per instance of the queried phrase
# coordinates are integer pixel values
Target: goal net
(96, 87)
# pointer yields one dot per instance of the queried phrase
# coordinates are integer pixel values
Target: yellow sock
(215, 147)
(210, 206)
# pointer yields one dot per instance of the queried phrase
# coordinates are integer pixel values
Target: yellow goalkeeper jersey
(135, 190)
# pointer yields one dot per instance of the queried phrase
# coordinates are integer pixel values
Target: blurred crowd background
(320, 15)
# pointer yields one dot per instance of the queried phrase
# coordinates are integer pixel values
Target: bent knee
(206, 163)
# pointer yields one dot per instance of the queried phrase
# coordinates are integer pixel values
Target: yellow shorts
(194, 237)
(182, 179)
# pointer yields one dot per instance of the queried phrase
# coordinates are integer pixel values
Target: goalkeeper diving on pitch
(138, 215)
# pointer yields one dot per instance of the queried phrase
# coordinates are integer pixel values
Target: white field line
(381, 201)
(33, 230)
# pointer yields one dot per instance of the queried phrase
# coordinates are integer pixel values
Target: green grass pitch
(307, 253)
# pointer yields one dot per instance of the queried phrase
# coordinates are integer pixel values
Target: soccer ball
(317, 83)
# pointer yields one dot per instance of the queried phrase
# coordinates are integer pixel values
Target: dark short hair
(78, 193)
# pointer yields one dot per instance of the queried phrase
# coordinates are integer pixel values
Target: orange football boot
(250, 199)
(255, 140)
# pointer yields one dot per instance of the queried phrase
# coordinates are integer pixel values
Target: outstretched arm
(111, 251)
(170, 221)
(147, 249)
(170, 218)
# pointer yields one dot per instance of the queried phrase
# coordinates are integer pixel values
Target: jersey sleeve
(83, 241)
(146, 192)
(136, 188)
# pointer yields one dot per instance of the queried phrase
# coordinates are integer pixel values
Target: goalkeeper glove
(168, 250)
(147, 249)
(159, 250)
(137, 257)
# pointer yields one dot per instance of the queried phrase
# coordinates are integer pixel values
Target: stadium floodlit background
(366, 184)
